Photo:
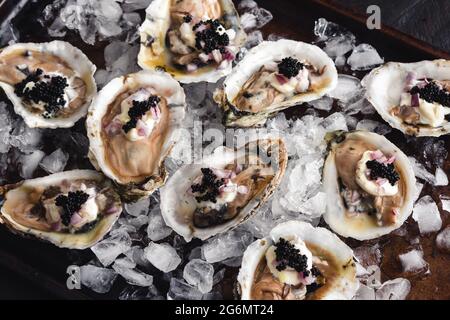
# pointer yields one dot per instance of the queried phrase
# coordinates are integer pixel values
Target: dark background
(426, 20)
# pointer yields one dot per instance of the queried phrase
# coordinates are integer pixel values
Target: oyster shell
(31, 208)
(402, 95)
(132, 126)
(273, 76)
(323, 251)
(50, 84)
(226, 188)
(194, 40)
(365, 203)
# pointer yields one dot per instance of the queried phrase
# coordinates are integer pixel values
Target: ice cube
(413, 261)
(440, 177)
(138, 208)
(247, 5)
(137, 222)
(421, 172)
(199, 273)
(248, 21)
(374, 276)
(157, 229)
(29, 163)
(364, 57)
(226, 245)
(5, 128)
(445, 201)
(443, 240)
(373, 126)
(133, 276)
(125, 262)
(55, 162)
(140, 293)
(136, 254)
(180, 290)
(24, 138)
(163, 256)
(109, 249)
(262, 15)
(397, 289)
(195, 93)
(253, 39)
(340, 45)
(426, 213)
(97, 279)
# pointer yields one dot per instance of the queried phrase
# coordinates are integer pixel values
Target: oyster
(370, 185)
(132, 126)
(296, 262)
(273, 76)
(72, 209)
(50, 84)
(194, 40)
(412, 97)
(226, 188)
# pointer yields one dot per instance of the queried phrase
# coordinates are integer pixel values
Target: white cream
(370, 186)
(289, 275)
(432, 114)
(187, 34)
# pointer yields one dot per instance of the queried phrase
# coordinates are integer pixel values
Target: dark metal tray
(45, 265)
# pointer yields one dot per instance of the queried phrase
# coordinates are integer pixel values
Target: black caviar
(432, 92)
(139, 109)
(70, 204)
(47, 89)
(380, 170)
(209, 186)
(212, 38)
(289, 256)
(290, 67)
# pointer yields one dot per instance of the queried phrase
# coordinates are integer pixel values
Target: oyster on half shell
(297, 262)
(370, 185)
(273, 76)
(50, 84)
(71, 209)
(194, 40)
(203, 199)
(132, 126)
(412, 97)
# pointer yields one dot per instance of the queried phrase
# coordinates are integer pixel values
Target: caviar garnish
(187, 18)
(432, 92)
(46, 89)
(288, 255)
(290, 67)
(212, 38)
(139, 109)
(70, 204)
(209, 187)
(380, 170)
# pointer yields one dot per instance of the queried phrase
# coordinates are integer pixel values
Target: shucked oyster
(194, 40)
(132, 128)
(296, 262)
(370, 185)
(412, 97)
(226, 188)
(274, 76)
(72, 209)
(50, 84)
